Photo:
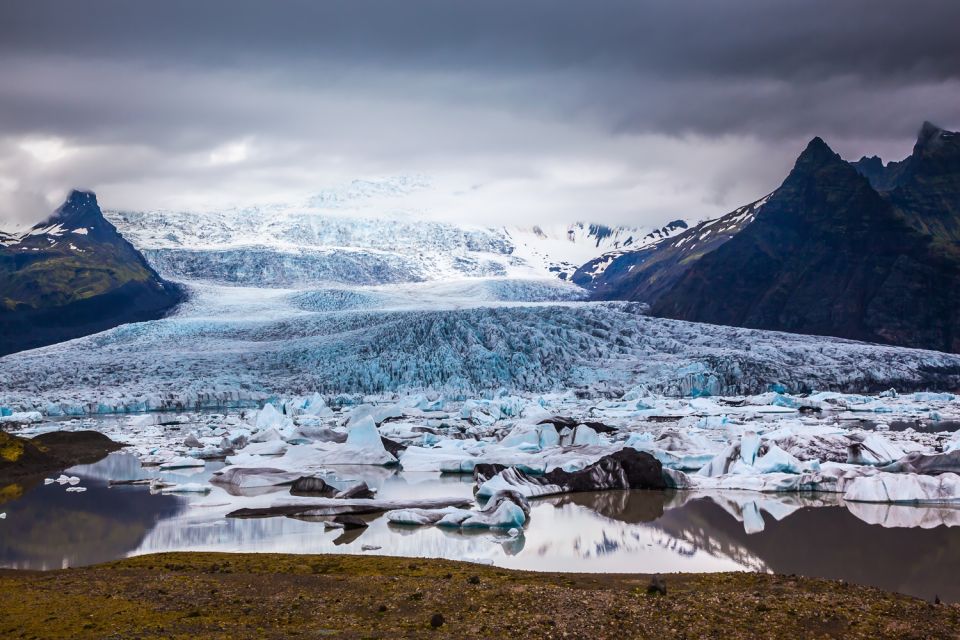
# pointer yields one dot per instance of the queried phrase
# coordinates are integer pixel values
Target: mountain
(71, 275)
(298, 246)
(829, 254)
(647, 273)
(562, 249)
(927, 187)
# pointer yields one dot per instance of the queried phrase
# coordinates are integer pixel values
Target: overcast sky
(513, 112)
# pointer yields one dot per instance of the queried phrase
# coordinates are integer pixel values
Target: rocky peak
(79, 211)
(816, 155)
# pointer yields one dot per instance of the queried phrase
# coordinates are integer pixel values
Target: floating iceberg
(504, 510)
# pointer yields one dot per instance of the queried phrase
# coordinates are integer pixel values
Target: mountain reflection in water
(900, 548)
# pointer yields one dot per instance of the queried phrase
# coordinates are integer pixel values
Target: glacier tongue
(236, 347)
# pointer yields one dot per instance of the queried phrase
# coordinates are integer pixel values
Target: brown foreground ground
(211, 595)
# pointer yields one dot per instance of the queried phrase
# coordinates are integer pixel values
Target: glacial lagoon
(910, 549)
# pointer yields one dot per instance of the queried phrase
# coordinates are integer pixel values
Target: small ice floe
(181, 462)
(65, 479)
(47, 481)
(370, 547)
(76, 489)
(505, 510)
(22, 417)
(253, 477)
(3, 516)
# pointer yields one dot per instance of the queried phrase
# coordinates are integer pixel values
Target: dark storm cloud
(713, 99)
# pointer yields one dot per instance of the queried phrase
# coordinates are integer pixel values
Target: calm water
(633, 531)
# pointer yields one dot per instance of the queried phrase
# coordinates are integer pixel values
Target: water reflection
(50, 528)
(897, 547)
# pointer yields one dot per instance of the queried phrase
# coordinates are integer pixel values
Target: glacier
(241, 346)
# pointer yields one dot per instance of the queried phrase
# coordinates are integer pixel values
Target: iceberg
(904, 488)
(504, 510)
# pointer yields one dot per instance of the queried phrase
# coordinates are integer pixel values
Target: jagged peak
(932, 138)
(816, 152)
(80, 206)
(871, 161)
(928, 130)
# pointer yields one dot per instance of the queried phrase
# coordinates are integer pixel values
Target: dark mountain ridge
(72, 275)
(856, 250)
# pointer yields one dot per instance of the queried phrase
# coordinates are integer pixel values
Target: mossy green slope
(72, 275)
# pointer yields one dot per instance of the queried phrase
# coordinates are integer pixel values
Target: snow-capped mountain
(304, 246)
(293, 248)
(644, 274)
(562, 249)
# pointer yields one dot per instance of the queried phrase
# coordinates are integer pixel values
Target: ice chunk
(624, 469)
(363, 434)
(584, 435)
(270, 434)
(908, 488)
(776, 460)
(250, 477)
(315, 405)
(505, 510)
(532, 437)
(872, 449)
(181, 462)
(22, 417)
(931, 465)
(749, 446)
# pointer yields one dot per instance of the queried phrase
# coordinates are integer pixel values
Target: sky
(500, 112)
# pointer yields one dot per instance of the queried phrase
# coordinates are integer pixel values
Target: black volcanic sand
(216, 595)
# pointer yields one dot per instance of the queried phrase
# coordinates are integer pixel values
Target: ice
(248, 478)
(475, 350)
(504, 510)
(532, 437)
(269, 434)
(21, 417)
(872, 449)
(181, 462)
(364, 434)
(929, 464)
(904, 488)
(623, 469)
(749, 447)
(270, 418)
(776, 460)
(315, 405)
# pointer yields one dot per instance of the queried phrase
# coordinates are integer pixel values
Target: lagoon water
(618, 531)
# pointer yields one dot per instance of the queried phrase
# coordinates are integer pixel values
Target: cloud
(625, 112)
